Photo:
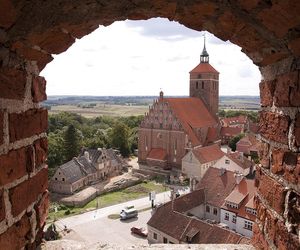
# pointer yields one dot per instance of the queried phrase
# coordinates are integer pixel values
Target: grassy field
(130, 193)
(101, 109)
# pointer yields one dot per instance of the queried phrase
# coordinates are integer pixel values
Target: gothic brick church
(174, 125)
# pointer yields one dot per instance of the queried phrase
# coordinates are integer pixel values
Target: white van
(128, 212)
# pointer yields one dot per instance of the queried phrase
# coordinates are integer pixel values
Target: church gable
(161, 116)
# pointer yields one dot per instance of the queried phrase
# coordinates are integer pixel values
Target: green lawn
(130, 193)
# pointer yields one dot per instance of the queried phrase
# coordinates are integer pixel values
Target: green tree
(56, 152)
(71, 142)
(234, 140)
(119, 136)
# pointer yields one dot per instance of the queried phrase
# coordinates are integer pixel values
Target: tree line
(68, 133)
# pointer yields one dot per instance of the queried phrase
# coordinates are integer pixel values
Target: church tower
(204, 83)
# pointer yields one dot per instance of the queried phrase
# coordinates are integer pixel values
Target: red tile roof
(192, 113)
(217, 187)
(157, 154)
(240, 160)
(253, 127)
(179, 226)
(231, 131)
(188, 201)
(247, 189)
(209, 153)
(227, 121)
(204, 68)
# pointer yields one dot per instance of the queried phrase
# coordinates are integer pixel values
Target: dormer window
(232, 205)
(250, 210)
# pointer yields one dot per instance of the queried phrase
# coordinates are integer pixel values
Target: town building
(238, 211)
(235, 162)
(248, 145)
(173, 223)
(91, 166)
(240, 121)
(196, 162)
(174, 125)
(228, 133)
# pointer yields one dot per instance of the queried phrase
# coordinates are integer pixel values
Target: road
(95, 226)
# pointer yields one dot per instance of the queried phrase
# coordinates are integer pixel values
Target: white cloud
(139, 58)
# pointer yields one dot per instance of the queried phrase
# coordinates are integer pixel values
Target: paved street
(95, 226)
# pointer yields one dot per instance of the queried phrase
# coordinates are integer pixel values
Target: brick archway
(30, 31)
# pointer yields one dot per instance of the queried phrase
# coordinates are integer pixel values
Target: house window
(234, 219)
(207, 209)
(165, 240)
(227, 161)
(248, 225)
(155, 236)
(63, 179)
(215, 211)
(197, 85)
(202, 85)
(226, 216)
(55, 178)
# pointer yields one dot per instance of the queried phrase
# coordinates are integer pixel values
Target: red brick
(263, 149)
(16, 236)
(258, 239)
(274, 126)
(41, 150)
(27, 124)
(1, 127)
(297, 130)
(271, 191)
(31, 54)
(2, 206)
(285, 240)
(27, 192)
(8, 13)
(53, 41)
(277, 161)
(294, 45)
(285, 84)
(261, 213)
(42, 209)
(12, 83)
(15, 164)
(266, 92)
(270, 226)
(38, 89)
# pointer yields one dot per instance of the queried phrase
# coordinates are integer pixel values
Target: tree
(71, 142)
(119, 136)
(232, 143)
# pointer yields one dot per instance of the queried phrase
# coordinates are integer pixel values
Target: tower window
(197, 85)
(202, 85)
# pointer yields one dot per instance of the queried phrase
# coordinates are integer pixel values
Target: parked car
(139, 231)
(128, 212)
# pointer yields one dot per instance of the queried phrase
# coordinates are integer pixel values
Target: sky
(143, 57)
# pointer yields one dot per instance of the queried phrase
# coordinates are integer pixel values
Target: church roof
(192, 113)
(204, 68)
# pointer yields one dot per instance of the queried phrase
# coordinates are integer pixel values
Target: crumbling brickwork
(30, 31)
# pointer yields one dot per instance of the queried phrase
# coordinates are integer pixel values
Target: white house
(196, 162)
(238, 211)
(235, 162)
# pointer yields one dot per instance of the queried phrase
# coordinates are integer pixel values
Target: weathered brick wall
(23, 151)
(278, 178)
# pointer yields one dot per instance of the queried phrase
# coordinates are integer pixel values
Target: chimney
(238, 178)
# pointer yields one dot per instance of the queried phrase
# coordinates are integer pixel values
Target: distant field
(101, 109)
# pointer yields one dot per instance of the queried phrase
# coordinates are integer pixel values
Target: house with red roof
(235, 162)
(241, 121)
(172, 223)
(196, 162)
(228, 133)
(248, 145)
(238, 211)
(172, 126)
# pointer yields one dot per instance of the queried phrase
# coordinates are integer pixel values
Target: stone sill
(75, 245)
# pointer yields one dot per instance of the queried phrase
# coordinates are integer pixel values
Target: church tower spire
(204, 82)
(204, 57)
